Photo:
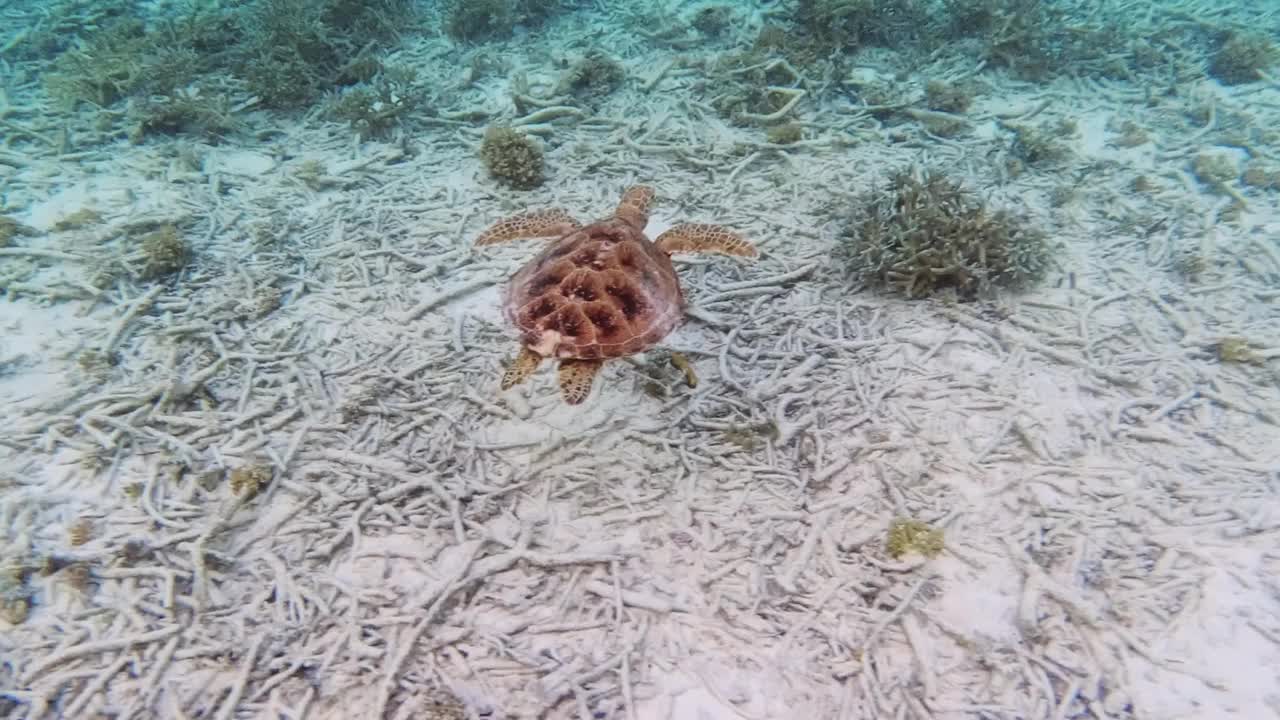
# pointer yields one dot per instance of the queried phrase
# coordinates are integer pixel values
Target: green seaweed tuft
(913, 537)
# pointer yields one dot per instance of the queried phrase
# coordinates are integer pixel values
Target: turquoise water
(566, 359)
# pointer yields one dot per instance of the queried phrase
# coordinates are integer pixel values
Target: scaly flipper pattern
(576, 377)
(521, 368)
(553, 222)
(704, 238)
(634, 206)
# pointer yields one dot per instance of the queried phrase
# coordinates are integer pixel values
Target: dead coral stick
(384, 156)
(628, 689)
(1021, 113)
(555, 686)
(391, 467)
(739, 294)
(770, 65)
(200, 574)
(847, 345)
(1000, 333)
(352, 529)
(772, 280)
(741, 166)
(152, 681)
(22, 130)
(13, 159)
(93, 648)
(633, 598)
(75, 708)
(919, 645)
(228, 710)
(796, 94)
(42, 254)
(893, 615)
(935, 116)
(657, 77)
(457, 580)
(445, 296)
(546, 114)
(819, 526)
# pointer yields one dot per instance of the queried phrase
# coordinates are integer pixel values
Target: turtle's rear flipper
(576, 377)
(521, 368)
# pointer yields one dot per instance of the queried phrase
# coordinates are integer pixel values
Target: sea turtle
(598, 291)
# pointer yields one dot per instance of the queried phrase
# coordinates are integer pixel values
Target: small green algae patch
(908, 536)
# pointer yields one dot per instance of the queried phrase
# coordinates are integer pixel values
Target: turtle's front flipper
(521, 368)
(703, 238)
(534, 224)
(576, 377)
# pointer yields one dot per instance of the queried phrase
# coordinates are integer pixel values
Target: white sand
(1107, 486)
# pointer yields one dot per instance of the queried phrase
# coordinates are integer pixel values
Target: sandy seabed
(423, 545)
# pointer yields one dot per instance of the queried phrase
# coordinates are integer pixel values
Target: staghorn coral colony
(919, 234)
(174, 73)
(370, 154)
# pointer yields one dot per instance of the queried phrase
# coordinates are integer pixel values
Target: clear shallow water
(988, 428)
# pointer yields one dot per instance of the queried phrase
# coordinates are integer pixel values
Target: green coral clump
(1214, 168)
(1240, 57)
(375, 107)
(10, 228)
(164, 251)
(851, 24)
(248, 480)
(287, 53)
(785, 133)
(186, 110)
(512, 157)
(913, 537)
(1042, 144)
(946, 97)
(481, 20)
(82, 218)
(474, 20)
(918, 235)
(593, 75)
(295, 50)
(15, 597)
(712, 20)
(1261, 176)
(1236, 349)
(124, 58)
(1033, 38)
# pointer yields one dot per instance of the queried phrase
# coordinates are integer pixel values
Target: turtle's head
(634, 208)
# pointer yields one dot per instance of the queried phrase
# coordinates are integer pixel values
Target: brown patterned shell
(602, 291)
